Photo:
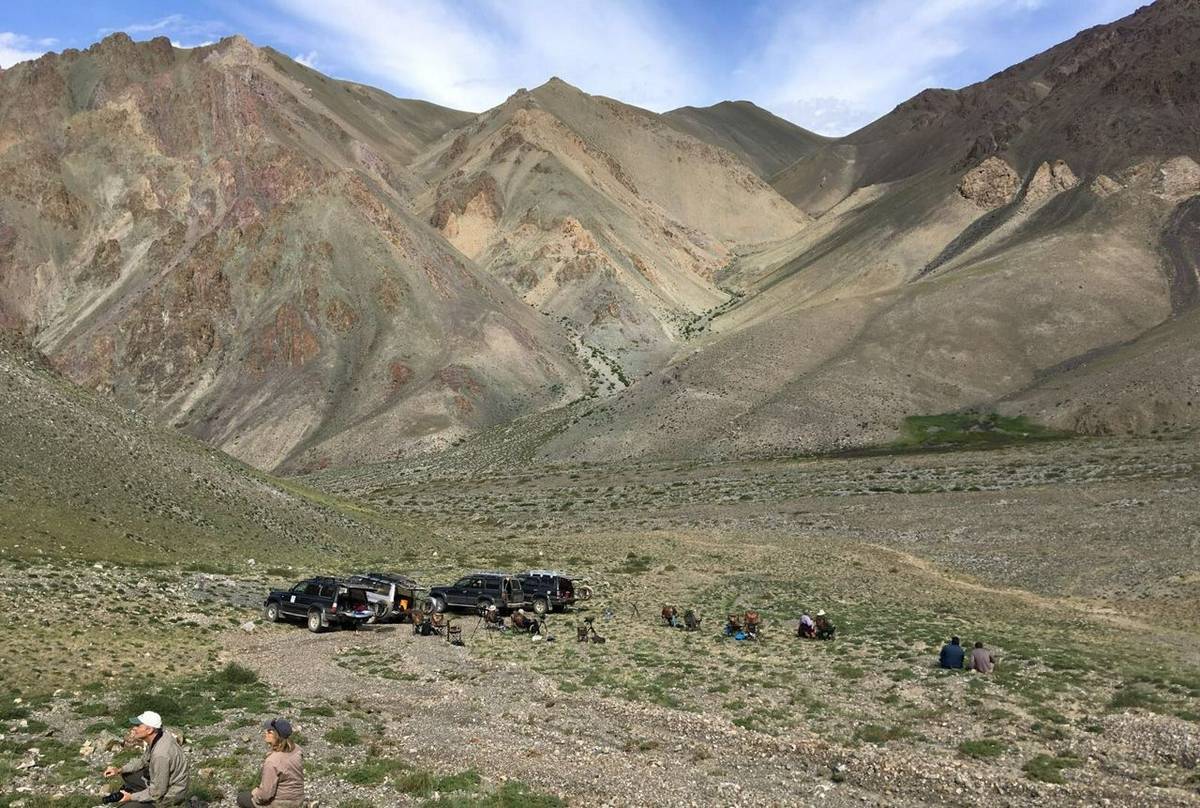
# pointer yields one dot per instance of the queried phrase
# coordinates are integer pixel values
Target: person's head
(978, 645)
(277, 733)
(955, 641)
(146, 726)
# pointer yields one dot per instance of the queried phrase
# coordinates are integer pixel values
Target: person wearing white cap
(160, 776)
(824, 626)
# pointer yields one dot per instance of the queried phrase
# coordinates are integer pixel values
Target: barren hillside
(222, 239)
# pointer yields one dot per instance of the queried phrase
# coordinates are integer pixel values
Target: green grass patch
(373, 771)
(1049, 768)
(983, 749)
(971, 430)
(344, 735)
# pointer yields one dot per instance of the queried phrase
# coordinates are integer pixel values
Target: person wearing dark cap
(952, 654)
(160, 777)
(282, 783)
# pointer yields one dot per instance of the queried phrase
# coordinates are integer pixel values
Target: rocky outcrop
(991, 184)
(1049, 180)
(1177, 178)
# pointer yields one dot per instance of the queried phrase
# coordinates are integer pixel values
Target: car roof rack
(558, 573)
(390, 577)
(501, 573)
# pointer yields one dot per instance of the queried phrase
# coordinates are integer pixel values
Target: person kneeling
(160, 776)
(282, 782)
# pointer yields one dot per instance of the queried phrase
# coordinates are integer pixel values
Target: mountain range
(305, 272)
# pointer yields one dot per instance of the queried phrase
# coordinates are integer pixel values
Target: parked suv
(547, 590)
(478, 591)
(320, 603)
(391, 596)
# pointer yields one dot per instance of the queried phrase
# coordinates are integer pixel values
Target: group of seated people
(519, 621)
(689, 622)
(954, 656)
(818, 628)
(745, 626)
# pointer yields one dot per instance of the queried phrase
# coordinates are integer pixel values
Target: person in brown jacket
(282, 784)
(981, 659)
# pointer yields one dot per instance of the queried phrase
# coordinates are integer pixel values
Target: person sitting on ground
(690, 621)
(523, 622)
(981, 659)
(825, 629)
(588, 631)
(670, 616)
(282, 782)
(952, 654)
(160, 776)
(806, 629)
(733, 626)
(492, 619)
(753, 624)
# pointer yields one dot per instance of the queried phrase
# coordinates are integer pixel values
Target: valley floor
(1076, 562)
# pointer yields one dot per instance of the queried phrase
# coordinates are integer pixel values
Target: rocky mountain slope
(221, 239)
(765, 142)
(948, 271)
(306, 272)
(599, 213)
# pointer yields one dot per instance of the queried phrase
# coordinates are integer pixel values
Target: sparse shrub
(345, 735)
(1048, 768)
(983, 748)
(236, 674)
(373, 771)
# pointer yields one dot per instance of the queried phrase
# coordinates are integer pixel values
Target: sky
(831, 66)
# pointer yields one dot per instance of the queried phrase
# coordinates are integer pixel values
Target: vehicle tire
(583, 593)
(314, 622)
(434, 605)
(272, 612)
(540, 606)
(482, 605)
(381, 610)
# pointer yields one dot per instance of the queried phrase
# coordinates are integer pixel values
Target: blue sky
(830, 66)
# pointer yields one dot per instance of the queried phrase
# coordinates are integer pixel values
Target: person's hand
(125, 797)
(112, 771)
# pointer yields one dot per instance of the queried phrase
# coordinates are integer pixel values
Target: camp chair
(453, 634)
(581, 633)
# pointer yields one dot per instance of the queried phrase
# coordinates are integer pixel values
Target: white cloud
(307, 59)
(17, 48)
(176, 26)
(475, 59)
(177, 44)
(834, 67)
(172, 22)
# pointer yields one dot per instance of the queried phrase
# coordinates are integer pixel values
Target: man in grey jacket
(160, 777)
